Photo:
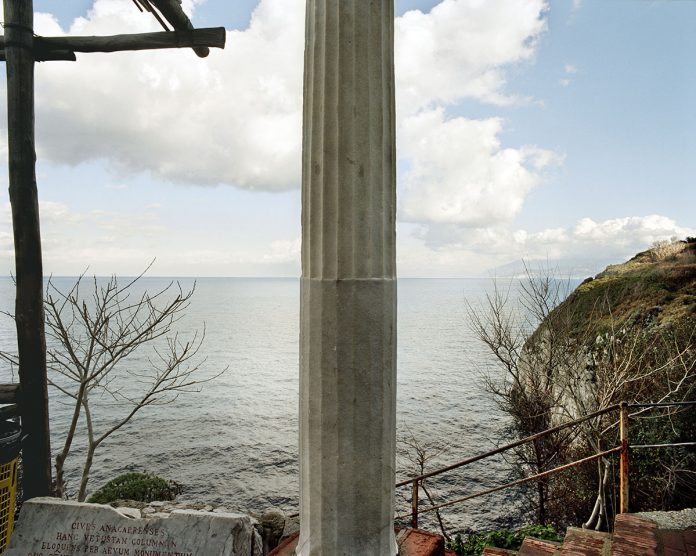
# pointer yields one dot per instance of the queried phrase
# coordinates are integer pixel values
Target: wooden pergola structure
(20, 48)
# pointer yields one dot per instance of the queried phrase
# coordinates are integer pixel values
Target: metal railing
(623, 449)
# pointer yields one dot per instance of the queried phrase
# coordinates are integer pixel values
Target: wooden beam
(9, 393)
(213, 37)
(29, 313)
(175, 15)
(51, 56)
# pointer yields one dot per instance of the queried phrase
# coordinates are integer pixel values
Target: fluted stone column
(348, 296)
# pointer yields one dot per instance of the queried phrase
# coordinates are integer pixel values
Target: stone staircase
(633, 536)
(412, 542)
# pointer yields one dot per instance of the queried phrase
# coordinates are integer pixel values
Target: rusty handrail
(519, 481)
(674, 445)
(623, 450)
(659, 404)
(508, 446)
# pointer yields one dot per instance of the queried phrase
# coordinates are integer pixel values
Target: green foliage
(663, 478)
(142, 487)
(501, 538)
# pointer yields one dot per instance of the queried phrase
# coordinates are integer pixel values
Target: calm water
(234, 443)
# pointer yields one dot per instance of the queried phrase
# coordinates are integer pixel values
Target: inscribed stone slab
(53, 527)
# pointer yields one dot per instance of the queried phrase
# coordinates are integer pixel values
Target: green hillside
(656, 287)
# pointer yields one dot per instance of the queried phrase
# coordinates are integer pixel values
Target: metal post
(624, 459)
(29, 313)
(414, 505)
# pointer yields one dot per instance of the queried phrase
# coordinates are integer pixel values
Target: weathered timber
(9, 393)
(51, 56)
(174, 14)
(29, 313)
(55, 56)
(212, 36)
(144, 5)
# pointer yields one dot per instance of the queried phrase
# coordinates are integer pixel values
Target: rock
(292, 526)
(133, 513)
(271, 525)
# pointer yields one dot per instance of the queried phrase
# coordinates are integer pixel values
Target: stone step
(494, 551)
(415, 542)
(537, 547)
(634, 535)
(585, 542)
(412, 542)
(677, 543)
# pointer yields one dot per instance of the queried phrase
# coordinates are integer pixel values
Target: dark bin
(10, 444)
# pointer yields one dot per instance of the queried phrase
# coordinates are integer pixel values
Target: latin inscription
(84, 537)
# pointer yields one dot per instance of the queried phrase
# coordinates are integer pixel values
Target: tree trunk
(82, 494)
(541, 486)
(29, 311)
(91, 448)
(62, 456)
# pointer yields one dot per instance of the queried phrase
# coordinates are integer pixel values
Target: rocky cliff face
(627, 334)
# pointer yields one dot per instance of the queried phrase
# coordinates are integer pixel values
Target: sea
(232, 441)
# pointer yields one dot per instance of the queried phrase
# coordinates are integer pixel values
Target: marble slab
(53, 527)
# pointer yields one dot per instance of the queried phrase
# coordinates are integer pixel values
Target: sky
(560, 130)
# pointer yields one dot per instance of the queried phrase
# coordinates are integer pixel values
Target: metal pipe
(624, 459)
(519, 482)
(661, 404)
(509, 446)
(414, 505)
(675, 445)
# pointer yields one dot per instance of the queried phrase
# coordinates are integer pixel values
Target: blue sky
(552, 129)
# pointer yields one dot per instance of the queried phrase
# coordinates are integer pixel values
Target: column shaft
(348, 292)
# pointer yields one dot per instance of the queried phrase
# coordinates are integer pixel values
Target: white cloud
(569, 70)
(235, 117)
(460, 174)
(283, 251)
(612, 239)
(104, 239)
(124, 242)
(460, 50)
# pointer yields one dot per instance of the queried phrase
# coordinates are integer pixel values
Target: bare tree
(417, 455)
(560, 362)
(89, 338)
(526, 390)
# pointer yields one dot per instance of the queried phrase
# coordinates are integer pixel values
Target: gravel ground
(685, 519)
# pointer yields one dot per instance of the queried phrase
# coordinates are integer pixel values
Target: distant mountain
(562, 268)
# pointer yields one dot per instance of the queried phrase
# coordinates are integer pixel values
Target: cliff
(656, 287)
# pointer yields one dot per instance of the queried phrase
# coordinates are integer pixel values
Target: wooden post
(624, 461)
(29, 312)
(174, 14)
(414, 505)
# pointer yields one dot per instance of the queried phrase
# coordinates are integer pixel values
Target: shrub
(664, 249)
(501, 538)
(142, 487)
